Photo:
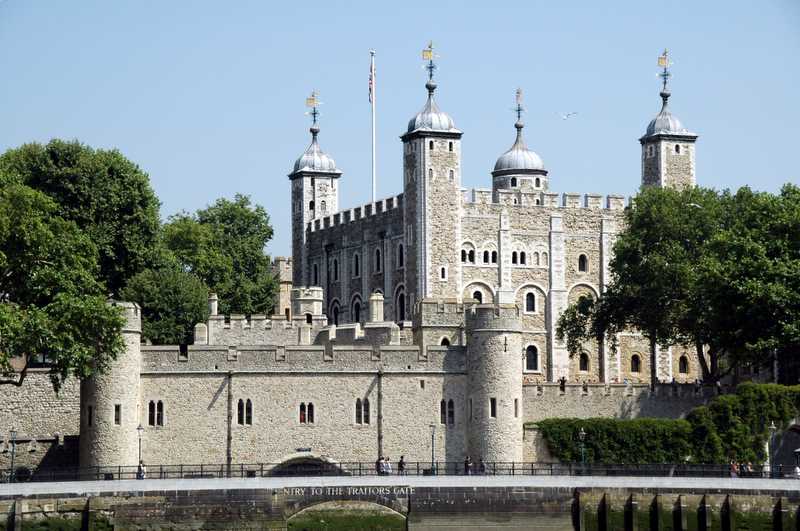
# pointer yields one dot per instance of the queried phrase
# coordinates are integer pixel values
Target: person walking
(481, 467)
(388, 467)
(401, 466)
(467, 466)
(141, 471)
(379, 466)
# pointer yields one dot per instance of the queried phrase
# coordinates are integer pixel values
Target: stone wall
(36, 411)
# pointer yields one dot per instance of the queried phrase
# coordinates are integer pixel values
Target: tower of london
(428, 314)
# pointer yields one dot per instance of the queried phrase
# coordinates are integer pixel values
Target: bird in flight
(567, 116)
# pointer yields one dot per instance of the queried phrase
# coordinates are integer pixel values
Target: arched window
(683, 365)
(335, 269)
(336, 314)
(303, 417)
(677, 148)
(531, 358)
(452, 175)
(401, 306)
(538, 201)
(463, 255)
(430, 173)
(494, 257)
(522, 258)
(443, 273)
(536, 258)
(309, 318)
(530, 302)
(485, 257)
(451, 412)
(544, 259)
(378, 260)
(316, 275)
(584, 362)
(159, 413)
(366, 411)
(357, 312)
(513, 182)
(538, 183)
(583, 263)
(240, 412)
(248, 412)
(356, 265)
(478, 296)
(359, 412)
(323, 206)
(444, 342)
(443, 412)
(151, 413)
(400, 257)
(514, 257)
(430, 145)
(450, 146)
(471, 256)
(311, 205)
(636, 363)
(310, 413)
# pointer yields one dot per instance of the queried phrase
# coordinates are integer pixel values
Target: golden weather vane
(428, 55)
(313, 102)
(664, 63)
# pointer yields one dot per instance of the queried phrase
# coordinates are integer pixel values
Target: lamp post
(772, 429)
(433, 448)
(140, 431)
(582, 438)
(13, 453)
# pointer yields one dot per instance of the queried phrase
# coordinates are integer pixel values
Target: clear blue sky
(208, 97)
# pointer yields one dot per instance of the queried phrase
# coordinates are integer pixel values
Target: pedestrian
(719, 387)
(379, 465)
(388, 467)
(467, 466)
(141, 471)
(733, 470)
(797, 471)
(401, 466)
(481, 467)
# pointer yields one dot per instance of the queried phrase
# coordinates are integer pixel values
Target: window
(323, 206)
(514, 257)
(316, 274)
(359, 412)
(516, 407)
(449, 146)
(240, 412)
(494, 257)
(444, 342)
(442, 412)
(584, 362)
(356, 265)
(636, 363)
(538, 183)
(311, 205)
(430, 145)
(159, 413)
(522, 258)
(452, 175)
(678, 148)
(248, 412)
(513, 182)
(422, 384)
(306, 413)
(430, 173)
(485, 257)
(544, 259)
(463, 255)
(530, 303)
(471, 416)
(400, 258)
(583, 263)
(335, 313)
(357, 312)
(151, 413)
(451, 412)
(288, 313)
(478, 296)
(536, 258)
(378, 260)
(309, 318)
(117, 414)
(471, 256)
(335, 269)
(443, 273)
(89, 415)
(683, 365)
(531, 358)
(401, 306)
(303, 417)
(366, 411)
(493, 407)
(538, 202)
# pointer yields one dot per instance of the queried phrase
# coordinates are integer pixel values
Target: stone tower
(494, 365)
(432, 201)
(315, 194)
(110, 403)
(668, 149)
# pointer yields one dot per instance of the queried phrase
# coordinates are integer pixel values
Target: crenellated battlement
(519, 198)
(343, 217)
(493, 316)
(132, 314)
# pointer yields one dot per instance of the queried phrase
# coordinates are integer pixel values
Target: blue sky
(207, 97)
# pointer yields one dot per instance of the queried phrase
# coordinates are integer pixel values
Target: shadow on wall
(41, 457)
(784, 446)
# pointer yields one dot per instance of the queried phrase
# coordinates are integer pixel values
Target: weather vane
(428, 55)
(665, 63)
(313, 102)
(519, 109)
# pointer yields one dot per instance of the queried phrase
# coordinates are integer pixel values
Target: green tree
(52, 308)
(105, 194)
(223, 245)
(172, 302)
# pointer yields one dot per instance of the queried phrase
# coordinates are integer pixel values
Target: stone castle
(431, 314)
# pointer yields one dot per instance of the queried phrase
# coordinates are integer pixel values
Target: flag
(371, 78)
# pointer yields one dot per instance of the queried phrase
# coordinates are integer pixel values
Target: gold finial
(427, 53)
(313, 102)
(664, 63)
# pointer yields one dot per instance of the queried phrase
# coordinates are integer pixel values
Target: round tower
(494, 346)
(110, 404)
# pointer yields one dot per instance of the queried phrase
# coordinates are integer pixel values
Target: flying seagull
(567, 115)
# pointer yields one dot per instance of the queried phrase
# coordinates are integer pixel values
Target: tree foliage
(223, 245)
(697, 267)
(52, 307)
(105, 194)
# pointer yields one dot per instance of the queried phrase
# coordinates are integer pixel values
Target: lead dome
(431, 118)
(519, 159)
(314, 159)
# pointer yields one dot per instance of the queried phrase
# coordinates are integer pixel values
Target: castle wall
(36, 410)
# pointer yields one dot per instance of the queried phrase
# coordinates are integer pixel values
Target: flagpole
(372, 76)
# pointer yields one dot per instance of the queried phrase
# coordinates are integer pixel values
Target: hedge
(734, 426)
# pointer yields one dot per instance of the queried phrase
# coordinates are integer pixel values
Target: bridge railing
(411, 468)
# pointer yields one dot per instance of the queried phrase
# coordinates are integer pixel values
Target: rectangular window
(117, 414)
(516, 407)
(493, 407)
(470, 409)
(89, 414)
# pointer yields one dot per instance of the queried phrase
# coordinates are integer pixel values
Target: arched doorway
(308, 466)
(346, 514)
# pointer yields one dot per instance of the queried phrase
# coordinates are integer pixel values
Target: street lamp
(140, 431)
(433, 448)
(13, 453)
(582, 438)
(772, 429)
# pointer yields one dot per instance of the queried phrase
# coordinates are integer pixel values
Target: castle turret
(110, 404)
(494, 365)
(315, 194)
(668, 148)
(432, 200)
